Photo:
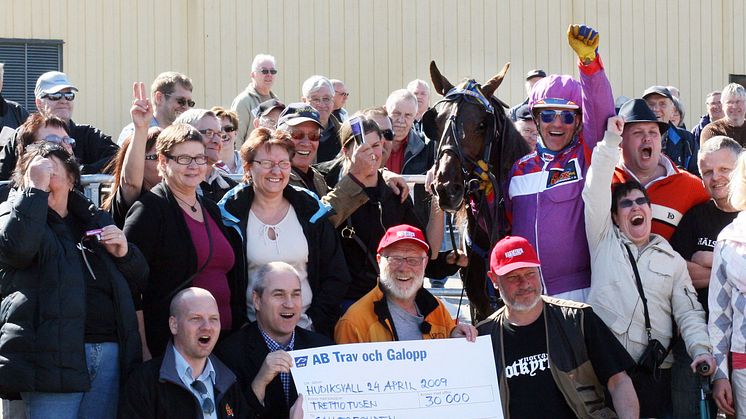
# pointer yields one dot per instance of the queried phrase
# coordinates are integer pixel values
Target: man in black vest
(558, 349)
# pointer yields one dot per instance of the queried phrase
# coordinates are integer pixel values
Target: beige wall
(375, 46)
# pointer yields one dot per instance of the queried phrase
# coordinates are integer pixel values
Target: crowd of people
(182, 293)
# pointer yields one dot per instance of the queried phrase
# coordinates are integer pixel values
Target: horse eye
(482, 125)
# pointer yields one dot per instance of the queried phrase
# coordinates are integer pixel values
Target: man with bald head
(187, 381)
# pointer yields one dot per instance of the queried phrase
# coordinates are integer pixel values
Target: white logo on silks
(513, 253)
(527, 366)
(404, 234)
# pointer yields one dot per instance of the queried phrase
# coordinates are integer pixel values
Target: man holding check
(399, 308)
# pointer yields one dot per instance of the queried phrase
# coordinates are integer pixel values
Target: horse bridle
(480, 176)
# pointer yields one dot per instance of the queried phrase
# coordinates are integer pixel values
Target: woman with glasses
(69, 330)
(135, 166)
(216, 182)
(181, 236)
(639, 283)
(270, 221)
(230, 160)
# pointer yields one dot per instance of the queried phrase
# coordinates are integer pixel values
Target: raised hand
(141, 110)
(39, 173)
(584, 41)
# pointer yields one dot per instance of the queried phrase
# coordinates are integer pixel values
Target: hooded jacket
(327, 271)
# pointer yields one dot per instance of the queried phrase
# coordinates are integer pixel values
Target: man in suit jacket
(257, 353)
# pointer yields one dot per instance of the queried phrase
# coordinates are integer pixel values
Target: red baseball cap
(403, 232)
(511, 253)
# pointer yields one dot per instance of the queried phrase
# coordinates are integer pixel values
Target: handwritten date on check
(428, 379)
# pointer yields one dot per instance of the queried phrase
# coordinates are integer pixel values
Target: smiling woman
(633, 268)
(198, 252)
(273, 221)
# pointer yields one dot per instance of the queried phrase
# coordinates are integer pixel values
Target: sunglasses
(548, 116)
(208, 406)
(151, 157)
(56, 139)
(345, 94)
(54, 97)
(387, 134)
(184, 101)
(627, 203)
(229, 128)
(266, 71)
(299, 135)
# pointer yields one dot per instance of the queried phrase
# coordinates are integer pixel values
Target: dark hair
(622, 189)
(116, 165)
(36, 121)
(45, 150)
(369, 125)
(263, 137)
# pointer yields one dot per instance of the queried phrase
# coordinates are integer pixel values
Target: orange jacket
(369, 320)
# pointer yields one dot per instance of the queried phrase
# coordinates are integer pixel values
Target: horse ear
(440, 82)
(489, 88)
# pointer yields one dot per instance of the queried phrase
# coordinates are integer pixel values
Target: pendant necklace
(192, 207)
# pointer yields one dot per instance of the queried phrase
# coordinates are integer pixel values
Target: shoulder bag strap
(640, 290)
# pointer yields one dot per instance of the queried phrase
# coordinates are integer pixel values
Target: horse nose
(454, 189)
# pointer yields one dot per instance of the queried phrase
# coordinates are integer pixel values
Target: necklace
(192, 207)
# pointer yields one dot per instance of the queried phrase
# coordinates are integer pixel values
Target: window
(25, 60)
(737, 78)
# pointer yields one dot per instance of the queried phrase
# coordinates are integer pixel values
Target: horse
(476, 145)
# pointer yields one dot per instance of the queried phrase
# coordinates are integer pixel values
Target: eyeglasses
(627, 203)
(185, 160)
(343, 94)
(325, 100)
(56, 139)
(387, 134)
(182, 101)
(398, 260)
(299, 135)
(266, 71)
(548, 116)
(269, 164)
(208, 406)
(210, 133)
(54, 97)
(151, 157)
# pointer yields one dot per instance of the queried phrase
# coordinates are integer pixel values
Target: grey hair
(193, 116)
(262, 57)
(260, 282)
(711, 94)
(418, 82)
(733, 90)
(397, 95)
(717, 143)
(315, 83)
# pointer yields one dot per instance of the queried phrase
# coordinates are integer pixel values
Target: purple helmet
(555, 91)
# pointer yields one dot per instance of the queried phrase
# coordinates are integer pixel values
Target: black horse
(476, 146)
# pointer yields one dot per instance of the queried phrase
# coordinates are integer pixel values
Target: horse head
(463, 125)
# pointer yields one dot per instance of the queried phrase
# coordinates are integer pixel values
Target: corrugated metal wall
(375, 46)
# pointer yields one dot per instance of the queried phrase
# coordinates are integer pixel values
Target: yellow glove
(584, 41)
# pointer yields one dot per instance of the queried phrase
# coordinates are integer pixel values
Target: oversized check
(428, 379)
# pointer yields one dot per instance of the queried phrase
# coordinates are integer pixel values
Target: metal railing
(95, 186)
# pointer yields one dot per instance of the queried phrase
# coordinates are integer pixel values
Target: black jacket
(93, 149)
(155, 391)
(12, 114)
(327, 271)
(42, 280)
(156, 224)
(244, 353)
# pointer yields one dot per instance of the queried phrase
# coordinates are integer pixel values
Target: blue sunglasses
(548, 116)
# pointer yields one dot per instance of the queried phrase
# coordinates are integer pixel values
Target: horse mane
(512, 146)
